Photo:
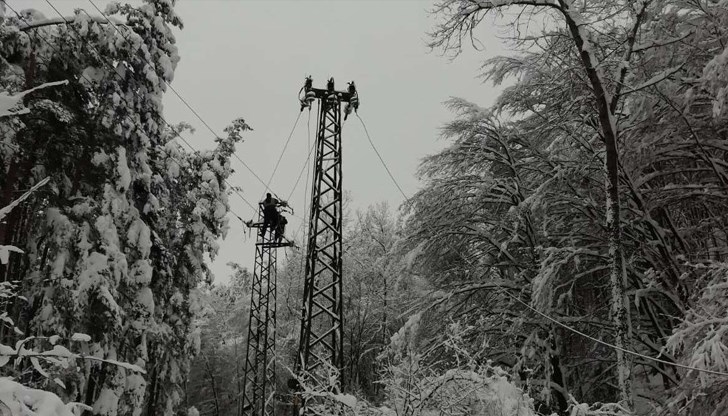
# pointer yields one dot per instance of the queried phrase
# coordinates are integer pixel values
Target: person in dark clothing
(280, 228)
(270, 213)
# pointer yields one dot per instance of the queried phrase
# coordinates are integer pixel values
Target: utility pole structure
(320, 351)
(259, 383)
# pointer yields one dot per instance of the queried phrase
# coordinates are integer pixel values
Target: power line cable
(300, 173)
(304, 167)
(180, 97)
(504, 290)
(127, 115)
(303, 228)
(119, 76)
(175, 92)
(283, 151)
(606, 344)
(380, 158)
(306, 189)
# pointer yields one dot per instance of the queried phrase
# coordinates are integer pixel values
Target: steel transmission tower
(320, 351)
(259, 374)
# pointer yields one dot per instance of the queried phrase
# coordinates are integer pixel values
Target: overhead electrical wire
(266, 185)
(380, 158)
(303, 229)
(300, 173)
(283, 151)
(606, 344)
(176, 133)
(305, 163)
(178, 95)
(306, 189)
(207, 125)
(127, 115)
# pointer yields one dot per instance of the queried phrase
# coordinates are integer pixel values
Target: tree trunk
(618, 273)
(557, 376)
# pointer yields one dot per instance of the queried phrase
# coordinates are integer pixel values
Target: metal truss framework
(320, 350)
(260, 363)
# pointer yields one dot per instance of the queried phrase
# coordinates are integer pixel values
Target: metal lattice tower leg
(259, 374)
(321, 344)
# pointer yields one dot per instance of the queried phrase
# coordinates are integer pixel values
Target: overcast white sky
(244, 58)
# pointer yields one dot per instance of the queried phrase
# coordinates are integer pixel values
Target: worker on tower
(280, 227)
(270, 213)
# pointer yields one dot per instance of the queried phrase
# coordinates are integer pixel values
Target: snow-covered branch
(656, 79)
(67, 20)
(8, 102)
(460, 17)
(660, 42)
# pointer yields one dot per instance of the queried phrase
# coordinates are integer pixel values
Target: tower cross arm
(344, 96)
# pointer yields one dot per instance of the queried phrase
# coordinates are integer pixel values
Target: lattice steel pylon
(320, 349)
(260, 358)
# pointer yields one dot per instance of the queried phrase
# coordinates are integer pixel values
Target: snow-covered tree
(514, 203)
(116, 244)
(376, 294)
(417, 386)
(495, 216)
(216, 377)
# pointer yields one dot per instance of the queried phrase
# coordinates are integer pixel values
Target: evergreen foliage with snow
(516, 207)
(115, 244)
